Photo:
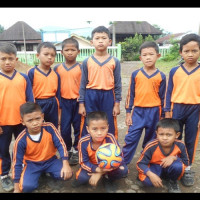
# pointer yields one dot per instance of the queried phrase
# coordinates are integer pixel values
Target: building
(21, 34)
(124, 29)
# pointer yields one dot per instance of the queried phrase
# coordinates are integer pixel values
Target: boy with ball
(90, 172)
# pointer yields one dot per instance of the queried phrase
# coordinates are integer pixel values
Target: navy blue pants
(5, 140)
(100, 100)
(142, 118)
(70, 118)
(50, 109)
(172, 172)
(188, 115)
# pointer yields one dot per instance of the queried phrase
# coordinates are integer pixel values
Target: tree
(1, 28)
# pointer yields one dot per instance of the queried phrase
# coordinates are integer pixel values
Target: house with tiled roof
(21, 33)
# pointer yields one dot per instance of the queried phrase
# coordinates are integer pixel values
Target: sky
(170, 19)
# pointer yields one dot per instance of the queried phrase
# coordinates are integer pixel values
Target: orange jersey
(44, 85)
(183, 86)
(101, 76)
(70, 79)
(25, 149)
(145, 90)
(14, 91)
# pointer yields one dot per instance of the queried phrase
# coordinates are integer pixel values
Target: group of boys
(49, 102)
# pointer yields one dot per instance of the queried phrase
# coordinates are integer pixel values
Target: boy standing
(183, 98)
(97, 127)
(70, 77)
(101, 87)
(15, 89)
(46, 83)
(146, 93)
(165, 157)
(35, 151)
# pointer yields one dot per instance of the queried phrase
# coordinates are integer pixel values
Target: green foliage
(131, 45)
(1, 28)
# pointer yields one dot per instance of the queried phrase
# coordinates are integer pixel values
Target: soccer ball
(109, 156)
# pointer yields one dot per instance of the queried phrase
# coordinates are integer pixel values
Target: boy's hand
(1, 130)
(155, 179)
(166, 162)
(66, 171)
(168, 115)
(116, 109)
(82, 110)
(94, 179)
(16, 188)
(128, 119)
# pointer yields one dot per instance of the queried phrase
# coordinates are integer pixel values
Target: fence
(31, 59)
(164, 50)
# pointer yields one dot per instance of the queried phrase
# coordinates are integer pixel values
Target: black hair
(46, 45)
(9, 48)
(168, 123)
(188, 38)
(101, 29)
(70, 41)
(29, 107)
(96, 115)
(148, 44)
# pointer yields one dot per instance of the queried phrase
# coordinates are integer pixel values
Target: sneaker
(75, 183)
(188, 178)
(173, 187)
(74, 158)
(7, 183)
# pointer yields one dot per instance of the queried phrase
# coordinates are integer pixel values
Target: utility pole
(24, 41)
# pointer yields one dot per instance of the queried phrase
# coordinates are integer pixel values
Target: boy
(35, 151)
(15, 89)
(165, 157)
(46, 83)
(97, 127)
(70, 77)
(146, 93)
(101, 87)
(183, 98)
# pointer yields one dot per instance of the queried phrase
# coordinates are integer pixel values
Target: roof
(15, 33)
(133, 27)
(168, 37)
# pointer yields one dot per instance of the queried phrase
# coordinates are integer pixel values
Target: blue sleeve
(170, 89)
(162, 91)
(31, 75)
(131, 92)
(184, 155)
(18, 156)
(117, 80)
(29, 91)
(58, 95)
(84, 81)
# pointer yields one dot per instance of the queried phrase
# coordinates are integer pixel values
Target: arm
(162, 90)
(66, 171)
(58, 95)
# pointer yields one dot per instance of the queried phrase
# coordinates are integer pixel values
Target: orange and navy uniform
(145, 99)
(183, 101)
(151, 158)
(14, 91)
(40, 153)
(101, 87)
(70, 79)
(46, 90)
(87, 158)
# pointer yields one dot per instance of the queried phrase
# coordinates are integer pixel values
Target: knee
(28, 187)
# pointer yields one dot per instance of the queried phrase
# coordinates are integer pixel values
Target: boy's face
(70, 52)
(98, 130)
(149, 56)
(7, 62)
(101, 41)
(166, 136)
(33, 121)
(190, 52)
(46, 56)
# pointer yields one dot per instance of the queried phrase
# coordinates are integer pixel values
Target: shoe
(74, 158)
(173, 187)
(7, 183)
(69, 154)
(75, 183)
(188, 178)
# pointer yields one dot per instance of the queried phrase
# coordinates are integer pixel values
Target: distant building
(20, 31)
(125, 29)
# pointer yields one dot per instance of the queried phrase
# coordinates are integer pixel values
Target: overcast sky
(173, 20)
